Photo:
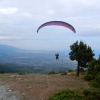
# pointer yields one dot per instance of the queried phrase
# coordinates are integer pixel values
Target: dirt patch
(7, 94)
(41, 86)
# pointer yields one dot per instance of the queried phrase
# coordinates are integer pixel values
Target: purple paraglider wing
(59, 23)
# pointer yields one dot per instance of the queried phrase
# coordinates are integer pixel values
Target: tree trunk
(77, 70)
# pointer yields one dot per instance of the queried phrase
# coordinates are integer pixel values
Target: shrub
(70, 70)
(2, 72)
(91, 94)
(93, 69)
(52, 72)
(88, 77)
(78, 94)
(96, 82)
(66, 95)
(21, 73)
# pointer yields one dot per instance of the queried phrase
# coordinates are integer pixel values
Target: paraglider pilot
(57, 56)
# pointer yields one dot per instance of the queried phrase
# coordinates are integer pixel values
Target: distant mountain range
(13, 59)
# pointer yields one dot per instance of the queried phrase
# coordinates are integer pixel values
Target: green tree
(99, 58)
(93, 69)
(82, 54)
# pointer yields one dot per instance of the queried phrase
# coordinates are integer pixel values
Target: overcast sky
(20, 19)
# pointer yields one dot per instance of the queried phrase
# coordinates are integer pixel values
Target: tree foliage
(93, 73)
(81, 53)
(77, 94)
(93, 69)
(66, 95)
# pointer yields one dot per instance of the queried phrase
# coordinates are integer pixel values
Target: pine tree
(82, 54)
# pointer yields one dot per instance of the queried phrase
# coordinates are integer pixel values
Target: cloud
(26, 14)
(51, 12)
(4, 37)
(8, 10)
(19, 22)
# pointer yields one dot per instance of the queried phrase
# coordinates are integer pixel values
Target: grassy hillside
(40, 86)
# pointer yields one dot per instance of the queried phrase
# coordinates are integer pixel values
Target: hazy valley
(17, 60)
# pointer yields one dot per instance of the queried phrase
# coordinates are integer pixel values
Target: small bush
(96, 82)
(64, 73)
(93, 69)
(52, 72)
(66, 95)
(21, 73)
(2, 72)
(70, 70)
(88, 77)
(91, 94)
(78, 94)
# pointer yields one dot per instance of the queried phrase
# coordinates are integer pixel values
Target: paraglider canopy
(59, 23)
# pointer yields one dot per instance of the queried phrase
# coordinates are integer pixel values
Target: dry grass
(41, 86)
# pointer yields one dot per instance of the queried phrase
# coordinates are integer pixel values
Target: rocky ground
(7, 94)
(36, 86)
